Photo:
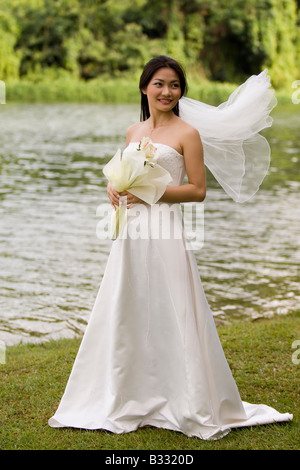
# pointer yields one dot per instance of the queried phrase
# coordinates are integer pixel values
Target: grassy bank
(259, 354)
(122, 90)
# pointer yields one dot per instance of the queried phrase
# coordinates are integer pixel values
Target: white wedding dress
(151, 354)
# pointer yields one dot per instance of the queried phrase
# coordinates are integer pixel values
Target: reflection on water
(52, 262)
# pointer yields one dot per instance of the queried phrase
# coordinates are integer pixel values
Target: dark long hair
(150, 68)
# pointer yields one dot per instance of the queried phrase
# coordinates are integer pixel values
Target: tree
(9, 60)
(225, 40)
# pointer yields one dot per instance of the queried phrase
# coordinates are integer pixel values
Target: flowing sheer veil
(234, 151)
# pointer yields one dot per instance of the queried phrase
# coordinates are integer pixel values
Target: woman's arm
(112, 193)
(195, 189)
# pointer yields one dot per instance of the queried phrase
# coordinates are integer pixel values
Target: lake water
(51, 259)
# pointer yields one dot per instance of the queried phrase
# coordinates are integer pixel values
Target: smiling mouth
(165, 101)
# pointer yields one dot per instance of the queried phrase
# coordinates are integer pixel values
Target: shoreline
(220, 323)
(114, 91)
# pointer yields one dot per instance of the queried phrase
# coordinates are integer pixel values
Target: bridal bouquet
(137, 172)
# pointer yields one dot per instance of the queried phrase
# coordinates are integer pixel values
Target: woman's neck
(157, 120)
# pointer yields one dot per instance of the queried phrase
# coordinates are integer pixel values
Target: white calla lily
(135, 172)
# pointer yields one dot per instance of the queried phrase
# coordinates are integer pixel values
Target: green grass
(259, 354)
(107, 90)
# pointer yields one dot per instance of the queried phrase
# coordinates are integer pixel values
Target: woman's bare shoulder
(189, 135)
(132, 130)
(187, 129)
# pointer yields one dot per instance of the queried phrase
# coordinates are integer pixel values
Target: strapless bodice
(169, 159)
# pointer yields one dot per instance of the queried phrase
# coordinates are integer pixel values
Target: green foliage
(9, 60)
(280, 40)
(224, 40)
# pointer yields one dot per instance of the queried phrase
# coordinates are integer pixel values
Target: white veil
(234, 151)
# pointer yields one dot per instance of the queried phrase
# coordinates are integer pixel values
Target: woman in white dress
(151, 354)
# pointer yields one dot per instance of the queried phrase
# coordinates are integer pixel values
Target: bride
(151, 354)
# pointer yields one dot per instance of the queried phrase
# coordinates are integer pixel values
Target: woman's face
(163, 91)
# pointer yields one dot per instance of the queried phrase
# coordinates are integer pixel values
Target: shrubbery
(221, 40)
